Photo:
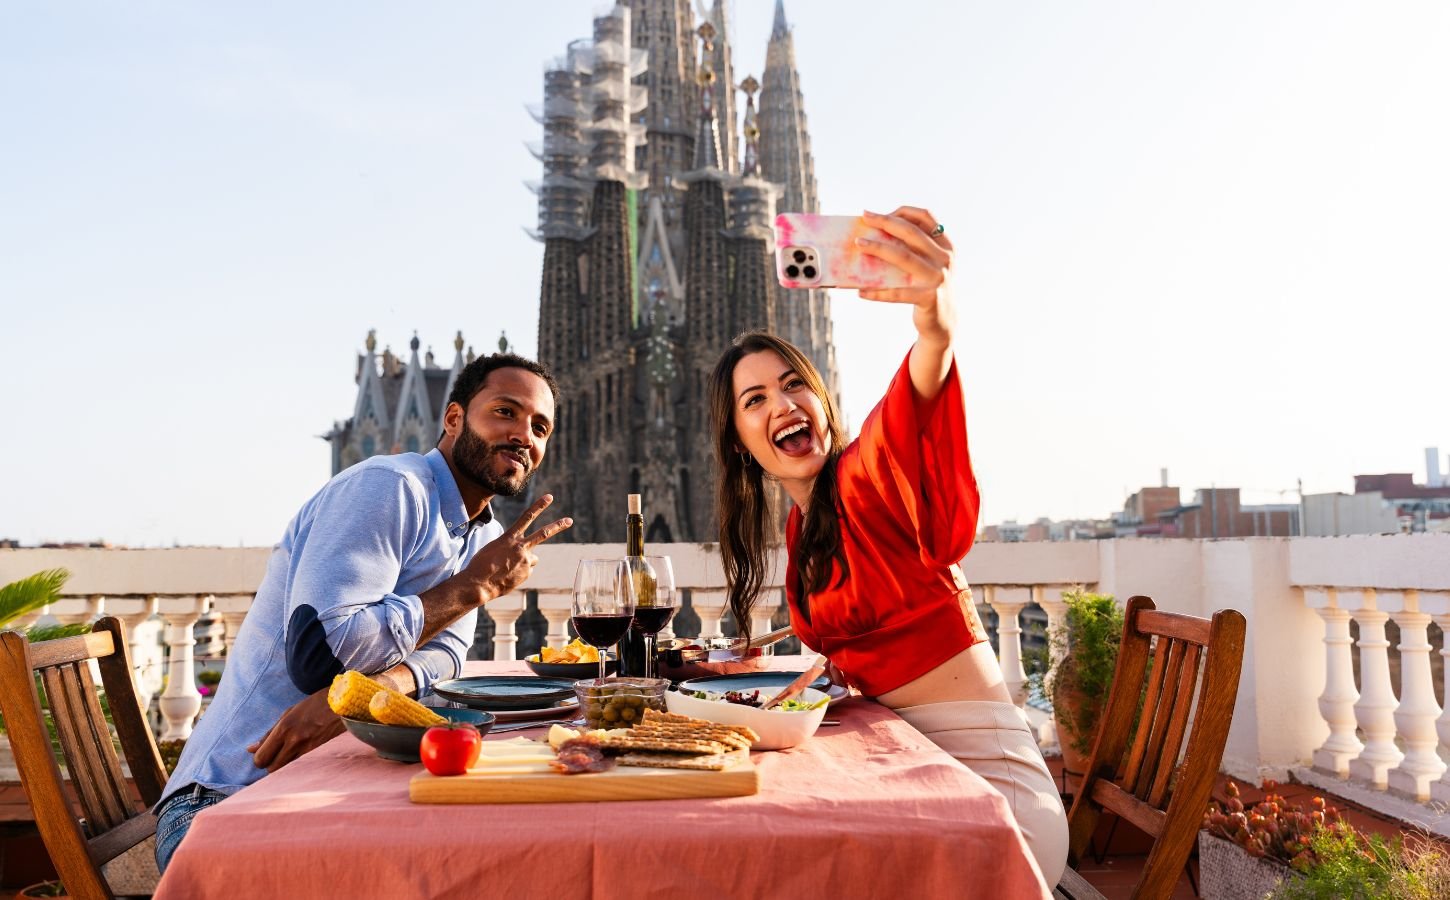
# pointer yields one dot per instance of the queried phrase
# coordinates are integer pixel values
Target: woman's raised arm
(917, 244)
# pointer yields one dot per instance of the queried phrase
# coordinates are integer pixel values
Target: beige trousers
(995, 741)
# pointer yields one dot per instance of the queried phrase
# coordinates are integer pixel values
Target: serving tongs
(795, 688)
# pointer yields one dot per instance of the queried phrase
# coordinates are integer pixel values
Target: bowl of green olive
(619, 702)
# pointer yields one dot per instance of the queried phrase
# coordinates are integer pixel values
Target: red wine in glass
(652, 619)
(602, 630)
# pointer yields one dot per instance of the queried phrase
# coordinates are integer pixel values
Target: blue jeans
(174, 819)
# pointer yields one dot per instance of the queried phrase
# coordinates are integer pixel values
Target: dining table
(865, 808)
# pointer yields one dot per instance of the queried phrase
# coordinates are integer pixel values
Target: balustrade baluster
(556, 608)
(1337, 702)
(505, 612)
(1437, 605)
(181, 701)
(1007, 603)
(710, 607)
(1375, 709)
(1416, 714)
(233, 610)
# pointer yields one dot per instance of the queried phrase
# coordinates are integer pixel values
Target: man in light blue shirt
(382, 571)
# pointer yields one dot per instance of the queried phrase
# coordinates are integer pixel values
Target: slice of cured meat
(578, 756)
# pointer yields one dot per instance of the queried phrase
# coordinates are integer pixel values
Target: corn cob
(393, 708)
(350, 693)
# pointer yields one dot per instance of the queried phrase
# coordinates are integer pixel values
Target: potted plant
(207, 680)
(1348, 864)
(44, 889)
(1076, 671)
(1248, 852)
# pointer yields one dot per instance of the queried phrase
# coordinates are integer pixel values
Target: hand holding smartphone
(815, 251)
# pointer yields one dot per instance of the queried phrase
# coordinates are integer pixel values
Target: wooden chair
(108, 824)
(1135, 769)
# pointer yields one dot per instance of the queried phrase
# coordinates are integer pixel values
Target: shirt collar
(455, 514)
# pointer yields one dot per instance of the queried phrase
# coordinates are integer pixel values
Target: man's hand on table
(306, 726)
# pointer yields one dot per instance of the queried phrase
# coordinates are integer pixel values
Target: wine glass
(603, 604)
(650, 619)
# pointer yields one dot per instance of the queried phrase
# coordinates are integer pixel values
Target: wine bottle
(633, 648)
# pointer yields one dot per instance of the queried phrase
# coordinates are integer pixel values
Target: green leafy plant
(44, 889)
(23, 597)
(1077, 666)
(1352, 866)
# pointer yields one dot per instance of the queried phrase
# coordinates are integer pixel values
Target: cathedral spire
(750, 163)
(780, 29)
(707, 138)
(724, 95)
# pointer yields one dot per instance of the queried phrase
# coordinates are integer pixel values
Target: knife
(794, 689)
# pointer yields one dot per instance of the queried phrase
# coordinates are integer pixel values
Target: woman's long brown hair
(742, 504)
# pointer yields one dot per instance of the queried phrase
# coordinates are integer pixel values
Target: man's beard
(474, 459)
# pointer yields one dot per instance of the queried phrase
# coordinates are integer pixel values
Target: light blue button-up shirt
(341, 592)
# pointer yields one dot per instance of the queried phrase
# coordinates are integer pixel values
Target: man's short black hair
(471, 378)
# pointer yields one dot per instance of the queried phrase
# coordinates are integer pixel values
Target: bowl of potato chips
(575, 659)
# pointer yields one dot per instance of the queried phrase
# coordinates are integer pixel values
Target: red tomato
(450, 749)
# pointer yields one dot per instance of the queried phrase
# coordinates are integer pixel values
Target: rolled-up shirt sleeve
(342, 612)
(442, 658)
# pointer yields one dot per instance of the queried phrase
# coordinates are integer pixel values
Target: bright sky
(1208, 236)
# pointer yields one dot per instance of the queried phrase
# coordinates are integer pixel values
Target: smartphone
(814, 251)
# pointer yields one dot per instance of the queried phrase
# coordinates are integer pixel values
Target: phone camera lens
(810, 271)
(793, 271)
(800, 256)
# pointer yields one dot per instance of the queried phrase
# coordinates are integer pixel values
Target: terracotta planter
(1065, 705)
(1228, 872)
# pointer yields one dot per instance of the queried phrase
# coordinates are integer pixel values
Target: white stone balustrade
(181, 701)
(1337, 701)
(1008, 602)
(1298, 711)
(1375, 709)
(1415, 716)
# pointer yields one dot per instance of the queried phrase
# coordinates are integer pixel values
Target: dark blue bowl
(400, 742)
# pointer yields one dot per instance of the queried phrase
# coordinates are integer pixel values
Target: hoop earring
(745, 459)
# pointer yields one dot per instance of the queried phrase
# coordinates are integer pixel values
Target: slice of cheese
(514, 759)
(513, 769)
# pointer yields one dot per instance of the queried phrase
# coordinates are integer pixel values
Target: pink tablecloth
(865, 809)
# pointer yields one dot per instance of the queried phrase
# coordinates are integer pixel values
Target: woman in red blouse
(877, 529)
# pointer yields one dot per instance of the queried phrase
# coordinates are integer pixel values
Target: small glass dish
(619, 702)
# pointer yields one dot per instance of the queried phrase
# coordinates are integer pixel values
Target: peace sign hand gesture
(507, 561)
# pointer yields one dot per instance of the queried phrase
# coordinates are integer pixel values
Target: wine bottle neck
(634, 536)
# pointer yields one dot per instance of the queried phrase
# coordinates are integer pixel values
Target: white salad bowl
(778, 729)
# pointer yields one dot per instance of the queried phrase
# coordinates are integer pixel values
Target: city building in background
(1218, 513)
(655, 211)
(1384, 504)
(1381, 504)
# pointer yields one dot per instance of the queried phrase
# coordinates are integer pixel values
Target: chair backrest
(112, 822)
(1140, 767)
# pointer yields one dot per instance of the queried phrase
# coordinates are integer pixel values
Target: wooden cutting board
(619, 783)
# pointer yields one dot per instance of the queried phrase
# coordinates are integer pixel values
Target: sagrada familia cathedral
(655, 213)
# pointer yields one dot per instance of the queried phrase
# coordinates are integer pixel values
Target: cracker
(655, 717)
(713, 762)
(629, 741)
(678, 732)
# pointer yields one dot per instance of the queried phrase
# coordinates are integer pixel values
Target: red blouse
(908, 503)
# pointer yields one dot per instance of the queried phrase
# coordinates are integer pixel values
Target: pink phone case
(820, 251)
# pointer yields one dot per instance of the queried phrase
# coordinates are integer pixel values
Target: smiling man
(382, 571)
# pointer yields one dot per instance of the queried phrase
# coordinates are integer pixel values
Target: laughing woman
(878, 528)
